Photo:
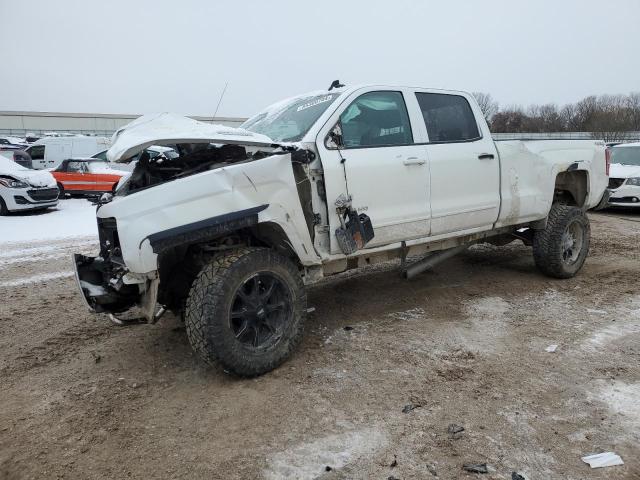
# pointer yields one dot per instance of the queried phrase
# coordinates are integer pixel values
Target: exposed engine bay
(193, 158)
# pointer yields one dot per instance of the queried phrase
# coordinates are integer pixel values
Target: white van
(48, 152)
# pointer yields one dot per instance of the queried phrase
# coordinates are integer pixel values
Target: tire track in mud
(465, 341)
(55, 348)
(36, 286)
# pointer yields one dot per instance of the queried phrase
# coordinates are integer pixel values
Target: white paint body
(417, 193)
(624, 195)
(36, 180)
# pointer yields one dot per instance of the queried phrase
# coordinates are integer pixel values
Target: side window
(375, 119)
(101, 155)
(37, 152)
(448, 118)
(75, 167)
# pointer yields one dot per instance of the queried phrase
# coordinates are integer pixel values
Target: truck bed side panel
(529, 170)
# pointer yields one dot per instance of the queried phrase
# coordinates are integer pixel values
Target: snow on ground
(71, 218)
(36, 279)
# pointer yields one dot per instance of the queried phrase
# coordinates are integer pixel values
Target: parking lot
(386, 366)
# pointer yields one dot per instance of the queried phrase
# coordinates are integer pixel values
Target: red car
(86, 176)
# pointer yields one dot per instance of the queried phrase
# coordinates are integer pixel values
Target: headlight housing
(13, 183)
(634, 181)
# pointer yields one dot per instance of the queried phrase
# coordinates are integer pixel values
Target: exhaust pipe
(432, 260)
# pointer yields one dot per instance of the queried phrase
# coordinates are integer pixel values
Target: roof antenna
(335, 84)
(220, 101)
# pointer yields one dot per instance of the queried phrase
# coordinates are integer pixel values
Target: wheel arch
(571, 188)
(181, 256)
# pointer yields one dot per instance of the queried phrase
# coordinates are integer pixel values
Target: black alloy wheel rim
(259, 311)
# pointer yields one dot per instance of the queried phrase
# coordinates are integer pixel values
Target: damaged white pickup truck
(230, 232)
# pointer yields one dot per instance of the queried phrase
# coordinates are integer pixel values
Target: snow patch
(308, 460)
(94, 290)
(613, 332)
(23, 253)
(72, 218)
(490, 307)
(622, 399)
(411, 314)
(43, 277)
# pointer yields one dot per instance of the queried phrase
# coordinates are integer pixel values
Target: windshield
(170, 154)
(626, 155)
(290, 120)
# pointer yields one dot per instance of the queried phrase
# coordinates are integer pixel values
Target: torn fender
(200, 201)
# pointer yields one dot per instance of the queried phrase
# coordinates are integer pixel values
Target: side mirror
(334, 138)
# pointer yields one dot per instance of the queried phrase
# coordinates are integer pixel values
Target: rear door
(464, 164)
(36, 152)
(380, 165)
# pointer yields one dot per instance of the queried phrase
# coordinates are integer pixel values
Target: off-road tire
(3, 208)
(208, 310)
(548, 244)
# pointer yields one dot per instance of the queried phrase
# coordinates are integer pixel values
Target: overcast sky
(129, 56)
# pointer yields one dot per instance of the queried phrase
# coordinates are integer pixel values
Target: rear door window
(376, 119)
(76, 167)
(37, 152)
(448, 118)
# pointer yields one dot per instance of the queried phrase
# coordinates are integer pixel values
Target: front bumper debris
(102, 289)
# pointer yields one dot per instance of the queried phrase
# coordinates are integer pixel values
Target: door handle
(414, 161)
(486, 156)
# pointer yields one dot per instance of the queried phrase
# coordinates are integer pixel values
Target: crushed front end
(104, 281)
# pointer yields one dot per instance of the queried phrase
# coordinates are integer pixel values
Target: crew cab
(230, 232)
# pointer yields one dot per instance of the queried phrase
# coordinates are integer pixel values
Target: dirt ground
(464, 344)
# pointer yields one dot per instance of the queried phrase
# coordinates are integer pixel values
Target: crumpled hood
(168, 129)
(36, 178)
(618, 170)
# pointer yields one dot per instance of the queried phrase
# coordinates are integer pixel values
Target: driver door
(379, 165)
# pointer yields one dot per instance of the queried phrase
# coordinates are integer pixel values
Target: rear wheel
(562, 247)
(246, 309)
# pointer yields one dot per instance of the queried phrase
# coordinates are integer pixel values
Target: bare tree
(509, 121)
(488, 106)
(608, 117)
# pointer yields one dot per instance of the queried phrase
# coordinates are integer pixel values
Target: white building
(21, 123)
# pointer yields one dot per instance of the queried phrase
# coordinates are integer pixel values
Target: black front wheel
(562, 247)
(246, 309)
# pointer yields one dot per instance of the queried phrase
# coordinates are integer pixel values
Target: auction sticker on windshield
(315, 102)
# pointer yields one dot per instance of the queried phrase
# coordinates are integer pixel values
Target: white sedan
(25, 189)
(624, 176)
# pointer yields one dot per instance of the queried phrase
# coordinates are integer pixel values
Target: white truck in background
(48, 152)
(229, 233)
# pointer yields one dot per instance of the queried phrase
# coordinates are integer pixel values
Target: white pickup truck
(230, 232)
